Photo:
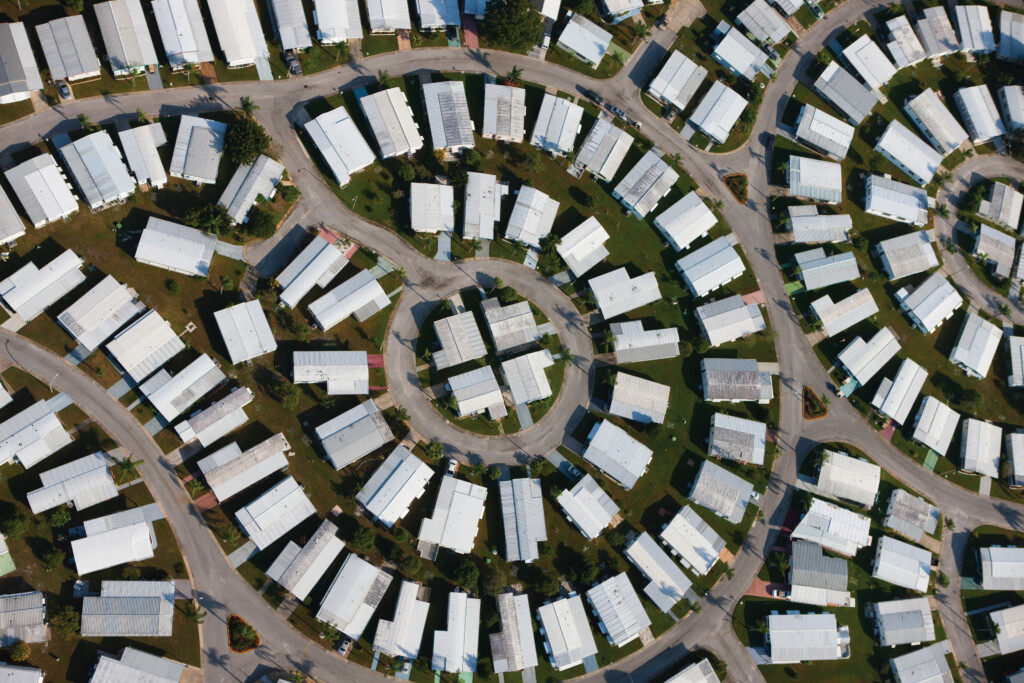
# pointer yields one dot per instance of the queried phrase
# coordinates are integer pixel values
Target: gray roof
(868, 60)
(512, 327)
(526, 377)
(344, 372)
(685, 221)
(532, 216)
(136, 666)
(738, 439)
(175, 247)
(613, 451)
(634, 344)
(729, 319)
(229, 471)
(390, 118)
(218, 420)
(639, 399)
(567, 632)
(677, 81)
(317, 264)
(810, 566)
(584, 38)
(32, 435)
(837, 316)
(337, 21)
(245, 331)
(1003, 206)
(68, 49)
(339, 140)
(145, 345)
(456, 516)
(83, 483)
(739, 55)
(126, 609)
(20, 674)
(764, 22)
(935, 121)
(140, 151)
(618, 609)
(902, 622)
(198, 149)
(818, 270)
(386, 16)
(848, 479)
(399, 480)
(275, 513)
(824, 132)
(402, 636)
(815, 179)
(460, 340)
(513, 647)
(249, 182)
(975, 24)
(907, 255)
(557, 125)
(171, 396)
(976, 346)
(936, 32)
(902, 564)
(1011, 36)
(1002, 568)
(353, 434)
(522, 510)
(978, 110)
(836, 528)
(238, 31)
(23, 617)
(98, 169)
(18, 71)
(299, 569)
(721, 491)
(909, 153)
(646, 183)
(455, 649)
(846, 93)
(796, 637)
(42, 190)
(450, 124)
(698, 672)
(482, 208)
(910, 515)
(125, 34)
(31, 290)
(809, 225)
(903, 44)
(114, 540)
(182, 32)
(504, 112)
(927, 665)
(290, 24)
(692, 540)
(712, 266)
(604, 149)
(476, 391)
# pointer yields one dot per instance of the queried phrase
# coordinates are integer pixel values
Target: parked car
(63, 90)
(452, 33)
(615, 110)
(546, 43)
(777, 593)
(452, 468)
(662, 22)
(593, 96)
(343, 646)
(292, 62)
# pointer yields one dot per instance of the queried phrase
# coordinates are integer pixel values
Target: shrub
(406, 172)
(289, 193)
(589, 201)
(15, 524)
(60, 517)
(261, 223)
(434, 450)
(173, 287)
(411, 565)
(19, 651)
(64, 621)
(402, 535)
(53, 558)
(363, 540)
(131, 573)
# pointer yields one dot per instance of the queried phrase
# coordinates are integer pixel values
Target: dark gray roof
(18, 70)
(810, 566)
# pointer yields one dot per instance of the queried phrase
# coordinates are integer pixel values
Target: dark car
(292, 62)
(591, 95)
(452, 33)
(64, 90)
(662, 22)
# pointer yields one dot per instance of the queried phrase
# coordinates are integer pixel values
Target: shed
(275, 513)
(140, 150)
(677, 81)
(346, 373)
(451, 127)
(721, 491)
(388, 113)
(557, 125)
(337, 21)
(895, 397)
(838, 316)
(910, 515)
(68, 49)
(818, 180)
(712, 266)
(668, 584)
(617, 454)
(522, 512)
(145, 345)
(299, 569)
(356, 432)
(739, 55)
(870, 63)
(512, 327)
(400, 479)
(172, 396)
(834, 528)
(734, 380)
(431, 208)
(568, 639)
(354, 596)
(126, 36)
(692, 540)
(979, 113)
(583, 247)
(532, 217)
(584, 39)
(129, 609)
(182, 33)
(909, 153)
(400, 638)
(42, 190)
(513, 647)
(862, 360)
(620, 614)
(504, 113)
(455, 649)
(902, 564)
(848, 95)
(98, 169)
(238, 31)
(588, 507)
(823, 132)
(526, 378)
(229, 471)
(198, 148)
(718, 112)
(360, 296)
(339, 141)
(604, 149)
(317, 265)
(245, 331)
(456, 518)
(932, 303)
(935, 121)
(482, 208)
(634, 344)
(30, 290)
(80, 483)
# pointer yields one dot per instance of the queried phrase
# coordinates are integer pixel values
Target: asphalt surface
(223, 591)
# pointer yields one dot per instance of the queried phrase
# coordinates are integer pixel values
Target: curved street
(224, 591)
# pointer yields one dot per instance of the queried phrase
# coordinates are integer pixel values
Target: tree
(434, 450)
(212, 218)
(643, 31)
(129, 469)
(131, 573)
(513, 25)
(512, 77)
(406, 173)
(60, 517)
(15, 524)
(383, 77)
(53, 558)
(467, 574)
(85, 122)
(246, 106)
(943, 580)
(19, 651)
(402, 535)
(493, 581)
(589, 201)
(289, 193)
(64, 621)
(493, 472)
(402, 414)
(230, 535)
(507, 296)
(262, 224)
(498, 284)
(950, 524)
(363, 539)
(584, 7)
(172, 286)
(471, 158)
(411, 565)
(141, 116)
(246, 141)
(457, 176)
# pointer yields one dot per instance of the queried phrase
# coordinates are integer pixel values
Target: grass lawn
(805, 16)
(608, 67)
(378, 44)
(14, 111)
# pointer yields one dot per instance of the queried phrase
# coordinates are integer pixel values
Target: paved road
(428, 280)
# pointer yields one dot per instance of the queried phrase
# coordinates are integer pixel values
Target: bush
(64, 621)
(402, 535)
(406, 172)
(53, 558)
(131, 573)
(363, 540)
(173, 287)
(289, 193)
(411, 565)
(467, 574)
(15, 524)
(471, 159)
(589, 201)
(19, 651)
(212, 218)
(261, 223)
(60, 517)
(434, 450)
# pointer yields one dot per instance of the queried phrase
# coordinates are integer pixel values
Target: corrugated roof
(835, 528)
(526, 378)
(909, 152)
(31, 290)
(238, 31)
(618, 609)
(613, 451)
(68, 48)
(818, 270)
(19, 74)
(511, 327)
(344, 372)
(198, 148)
(765, 23)
(566, 632)
(316, 265)
(823, 131)
(360, 296)
(979, 112)
(646, 183)
(456, 517)
(604, 148)
(692, 540)
(737, 438)
(677, 81)
(837, 316)
(910, 515)
(337, 20)
(803, 637)
(126, 609)
(219, 420)
(668, 584)
(172, 396)
(739, 55)
(617, 293)
(1002, 568)
(175, 247)
(979, 443)
(445, 101)
(504, 112)
(32, 435)
(1003, 206)
(686, 221)
(735, 379)
(903, 44)
(846, 93)
(476, 391)
(98, 169)
(245, 331)
(125, 35)
(83, 483)
(42, 190)
(455, 648)
(849, 479)
(863, 360)
(136, 666)
(402, 636)
(584, 38)
(557, 125)
(182, 32)
(896, 397)
(482, 208)
(275, 513)
(532, 217)
(460, 340)
(353, 434)
(907, 255)
(145, 345)
(975, 25)
(290, 24)
(639, 399)
(935, 121)
(634, 344)
(399, 480)
(721, 491)
(932, 302)
(588, 506)
(23, 617)
(936, 32)
(339, 140)
(388, 16)
(229, 471)
(712, 266)
(902, 564)
(904, 622)
(811, 567)
(976, 346)
(718, 112)
(927, 665)
(698, 672)
(522, 512)
(808, 225)
(140, 151)
(815, 179)
(1010, 635)
(729, 319)
(299, 569)
(513, 647)
(354, 595)
(20, 674)
(390, 118)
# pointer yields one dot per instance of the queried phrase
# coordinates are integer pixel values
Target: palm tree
(498, 284)
(643, 31)
(564, 355)
(189, 69)
(383, 77)
(230, 535)
(512, 77)
(129, 469)
(401, 273)
(402, 414)
(84, 122)
(247, 106)
(194, 613)
(194, 486)
(141, 116)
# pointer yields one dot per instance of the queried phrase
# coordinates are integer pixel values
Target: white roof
(837, 316)
(298, 570)
(634, 344)
(390, 118)
(145, 345)
(457, 514)
(432, 207)
(979, 112)
(668, 584)
(229, 471)
(199, 146)
(646, 183)
(98, 169)
(31, 290)
(677, 81)
(895, 397)
(604, 148)
(935, 121)
(522, 511)
(844, 478)
(692, 540)
(140, 151)
(68, 48)
(345, 372)
(171, 396)
(1011, 628)
(455, 649)
(238, 31)
(504, 112)
(619, 609)
(513, 648)
(21, 674)
(550, 8)
(617, 293)
(289, 19)
(936, 32)
(1016, 349)
(869, 62)
(904, 622)
(476, 391)
(846, 93)
(907, 255)
(823, 131)
(803, 637)
(729, 319)
(245, 331)
(249, 182)
(863, 360)
(83, 483)
(910, 515)
(902, 564)
(125, 34)
(909, 152)
(835, 528)
(558, 123)
(482, 208)
(976, 346)
(219, 420)
(337, 20)
(11, 225)
(1003, 206)
(585, 38)
(613, 451)
(1015, 456)
(738, 54)
(532, 217)
(42, 190)
(450, 124)
(401, 637)
(460, 340)
(32, 435)
(566, 632)
(718, 111)
(399, 480)
(639, 399)
(354, 595)
(182, 32)
(808, 225)
(932, 303)
(1011, 37)
(388, 16)
(526, 378)
(685, 221)
(815, 179)
(698, 672)
(315, 266)
(1002, 568)
(926, 665)
(353, 434)
(275, 513)
(175, 247)
(980, 444)
(761, 19)
(511, 327)
(118, 546)
(818, 270)
(337, 138)
(588, 506)
(975, 25)
(737, 438)
(360, 296)
(721, 491)
(582, 248)
(903, 44)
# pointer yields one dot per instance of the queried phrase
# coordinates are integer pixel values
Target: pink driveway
(469, 30)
